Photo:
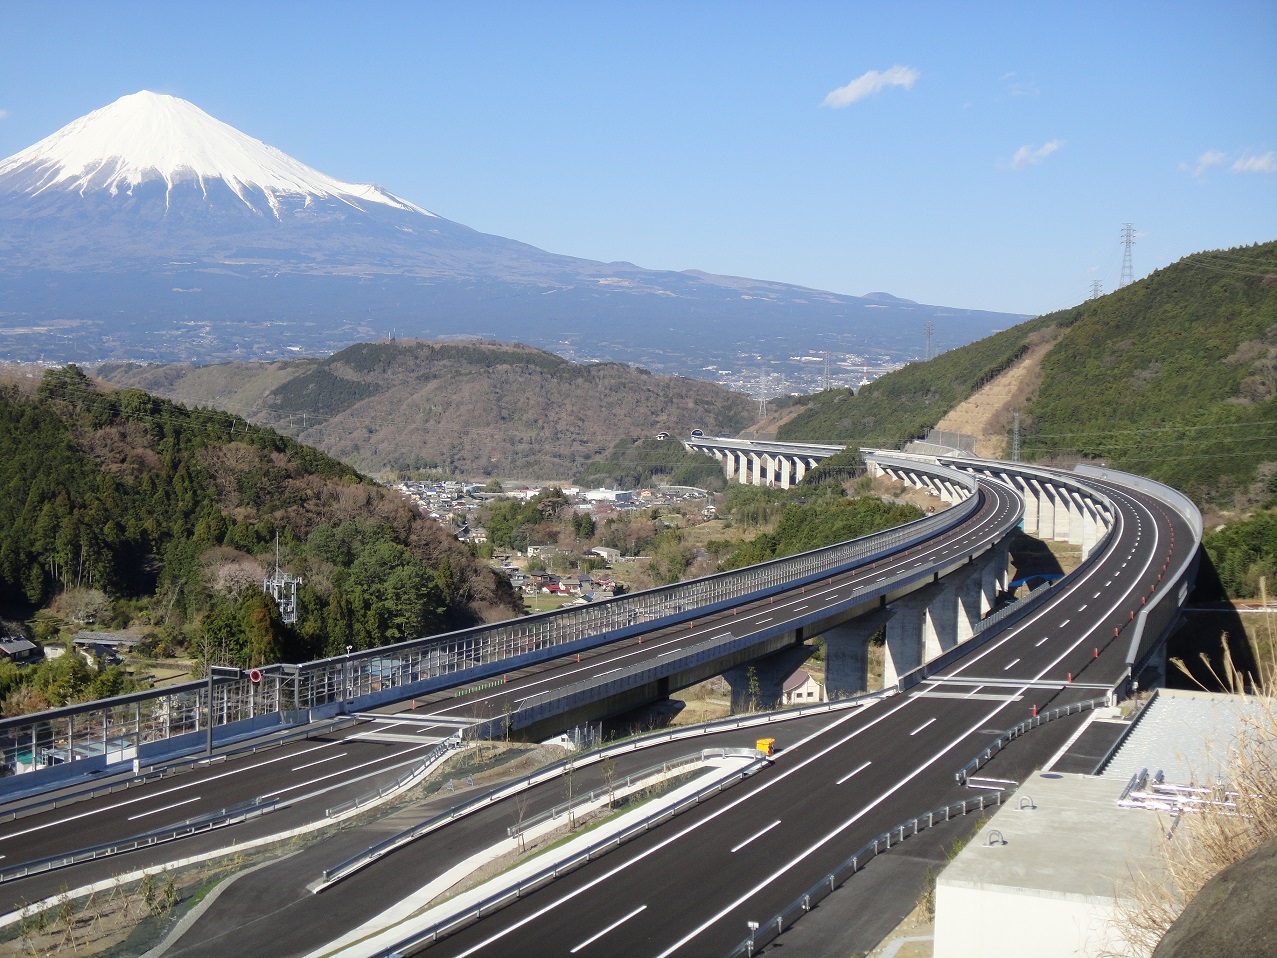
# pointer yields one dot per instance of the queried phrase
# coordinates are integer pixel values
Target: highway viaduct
(870, 578)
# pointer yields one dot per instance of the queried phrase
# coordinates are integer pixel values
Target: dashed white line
(1082, 608)
(1065, 622)
(1041, 640)
(1009, 664)
(850, 774)
(923, 725)
(156, 811)
(755, 835)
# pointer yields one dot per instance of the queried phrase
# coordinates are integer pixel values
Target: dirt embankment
(987, 414)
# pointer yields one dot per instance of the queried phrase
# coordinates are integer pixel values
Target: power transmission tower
(762, 396)
(1097, 289)
(1128, 240)
(929, 328)
(283, 589)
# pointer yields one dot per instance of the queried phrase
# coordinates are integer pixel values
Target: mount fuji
(150, 230)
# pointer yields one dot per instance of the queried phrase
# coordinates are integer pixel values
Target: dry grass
(1237, 814)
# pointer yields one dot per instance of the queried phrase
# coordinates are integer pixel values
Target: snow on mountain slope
(150, 136)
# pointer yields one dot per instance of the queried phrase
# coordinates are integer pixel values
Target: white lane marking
(1082, 607)
(923, 725)
(1065, 622)
(1097, 595)
(616, 924)
(599, 675)
(1009, 664)
(1108, 583)
(156, 811)
(761, 621)
(834, 598)
(850, 774)
(755, 835)
(670, 652)
(1041, 640)
(164, 791)
(298, 768)
(708, 818)
(713, 919)
(353, 768)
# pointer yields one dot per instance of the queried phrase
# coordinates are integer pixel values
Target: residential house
(801, 689)
(608, 554)
(17, 649)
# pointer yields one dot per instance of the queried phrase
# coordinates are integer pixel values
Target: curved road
(308, 773)
(690, 887)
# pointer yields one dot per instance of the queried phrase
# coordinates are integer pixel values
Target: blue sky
(978, 155)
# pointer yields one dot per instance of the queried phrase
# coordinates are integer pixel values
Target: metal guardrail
(232, 815)
(518, 889)
(663, 768)
(650, 740)
(167, 770)
(417, 771)
(1011, 734)
(130, 725)
(768, 932)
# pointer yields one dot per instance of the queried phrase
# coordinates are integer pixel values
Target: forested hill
(462, 408)
(122, 508)
(1173, 377)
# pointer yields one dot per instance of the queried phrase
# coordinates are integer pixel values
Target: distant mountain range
(466, 409)
(148, 230)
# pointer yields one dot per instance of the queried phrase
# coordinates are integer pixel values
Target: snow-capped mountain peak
(151, 136)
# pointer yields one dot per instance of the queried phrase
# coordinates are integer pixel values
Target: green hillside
(1173, 377)
(122, 509)
(634, 463)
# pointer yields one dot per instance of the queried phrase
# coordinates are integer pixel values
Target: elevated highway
(693, 887)
(977, 680)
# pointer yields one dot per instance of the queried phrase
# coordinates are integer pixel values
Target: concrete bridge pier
(994, 578)
(769, 672)
(847, 655)
(911, 631)
(955, 609)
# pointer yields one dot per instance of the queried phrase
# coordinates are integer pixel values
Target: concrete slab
(1053, 887)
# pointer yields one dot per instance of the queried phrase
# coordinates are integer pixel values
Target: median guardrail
(517, 889)
(769, 931)
(230, 815)
(1011, 734)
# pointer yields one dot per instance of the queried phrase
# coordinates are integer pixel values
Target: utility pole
(824, 381)
(929, 328)
(1097, 290)
(1128, 240)
(1015, 438)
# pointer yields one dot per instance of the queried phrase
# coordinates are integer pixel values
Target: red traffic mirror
(255, 675)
